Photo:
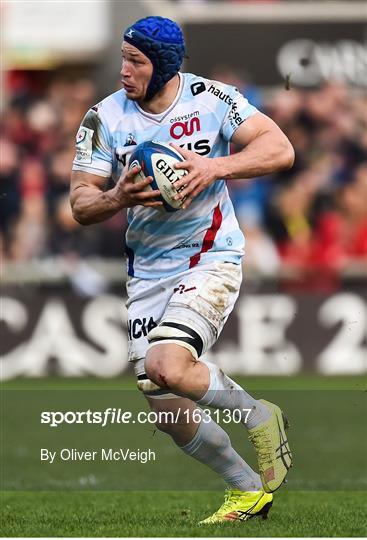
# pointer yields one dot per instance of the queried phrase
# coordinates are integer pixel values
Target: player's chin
(134, 94)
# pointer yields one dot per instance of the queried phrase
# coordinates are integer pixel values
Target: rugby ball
(157, 159)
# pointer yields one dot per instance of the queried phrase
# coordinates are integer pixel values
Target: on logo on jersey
(179, 129)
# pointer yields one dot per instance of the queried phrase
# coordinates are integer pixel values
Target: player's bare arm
(266, 149)
(91, 204)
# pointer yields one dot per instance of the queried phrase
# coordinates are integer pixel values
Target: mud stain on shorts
(215, 296)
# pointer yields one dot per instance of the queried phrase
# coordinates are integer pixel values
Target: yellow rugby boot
(271, 445)
(241, 506)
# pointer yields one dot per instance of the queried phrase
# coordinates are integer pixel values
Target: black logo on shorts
(140, 327)
(182, 289)
(197, 88)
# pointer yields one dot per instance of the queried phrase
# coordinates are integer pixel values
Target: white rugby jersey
(202, 118)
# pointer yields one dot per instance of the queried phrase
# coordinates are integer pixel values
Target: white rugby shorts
(201, 298)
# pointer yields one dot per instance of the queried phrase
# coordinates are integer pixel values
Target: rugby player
(184, 267)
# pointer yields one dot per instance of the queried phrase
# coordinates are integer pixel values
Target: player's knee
(165, 366)
(163, 373)
(173, 347)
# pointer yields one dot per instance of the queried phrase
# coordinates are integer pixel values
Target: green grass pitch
(325, 495)
(117, 514)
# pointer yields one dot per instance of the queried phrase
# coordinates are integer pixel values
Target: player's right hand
(131, 194)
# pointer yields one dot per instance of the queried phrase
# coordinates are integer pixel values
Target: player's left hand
(201, 173)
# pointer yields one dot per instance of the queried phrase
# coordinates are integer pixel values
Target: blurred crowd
(313, 217)
(38, 146)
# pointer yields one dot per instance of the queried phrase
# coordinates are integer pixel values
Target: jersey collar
(158, 118)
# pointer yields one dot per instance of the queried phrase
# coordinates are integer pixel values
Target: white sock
(223, 393)
(212, 446)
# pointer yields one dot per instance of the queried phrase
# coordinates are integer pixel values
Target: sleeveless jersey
(202, 118)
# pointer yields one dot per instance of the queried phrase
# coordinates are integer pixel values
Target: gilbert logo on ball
(157, 159)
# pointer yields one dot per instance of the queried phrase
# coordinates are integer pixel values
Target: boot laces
(229, 497)
(262, 443)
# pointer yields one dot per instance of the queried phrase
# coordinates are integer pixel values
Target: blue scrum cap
(162, 41)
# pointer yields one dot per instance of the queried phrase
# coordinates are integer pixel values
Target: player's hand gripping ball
(157, 159)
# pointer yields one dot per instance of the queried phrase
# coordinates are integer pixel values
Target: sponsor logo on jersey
(180, 129)
(197, 88)
(185, 246)
(234, 116)
(140, 327)
(184, 117)
(201, 147)
(219, 94)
